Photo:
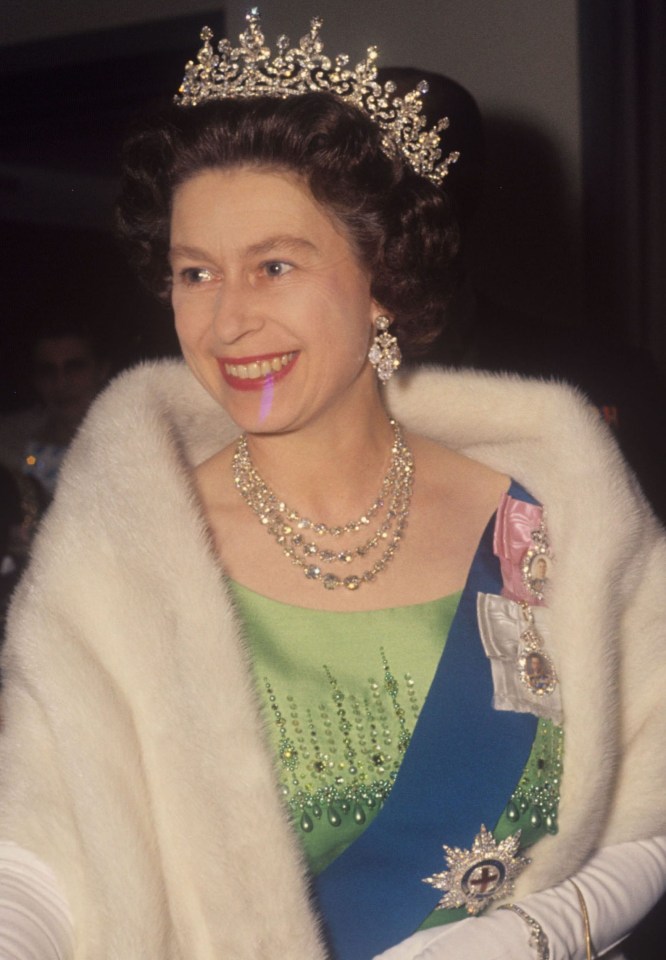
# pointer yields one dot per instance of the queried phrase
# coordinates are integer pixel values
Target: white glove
(35, 923)
(471, 939)
(620, 885)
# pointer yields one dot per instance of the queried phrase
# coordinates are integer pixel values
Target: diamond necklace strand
(288, 527)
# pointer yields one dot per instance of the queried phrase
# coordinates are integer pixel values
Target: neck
(328, 472)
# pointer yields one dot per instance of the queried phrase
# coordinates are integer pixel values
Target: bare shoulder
(448, 477)
(454, 499)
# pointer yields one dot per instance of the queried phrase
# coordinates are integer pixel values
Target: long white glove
(620, 885)
(35, 923)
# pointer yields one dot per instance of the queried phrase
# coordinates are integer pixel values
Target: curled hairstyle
(399, 224)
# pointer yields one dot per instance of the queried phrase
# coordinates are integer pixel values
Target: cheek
(348, 325)
(359, 333)
(189, 320)
(346, 353)
(359, 343)
(180, 326)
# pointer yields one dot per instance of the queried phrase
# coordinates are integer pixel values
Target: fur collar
(149, 647)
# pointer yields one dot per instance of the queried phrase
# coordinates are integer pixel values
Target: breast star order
(476, 877)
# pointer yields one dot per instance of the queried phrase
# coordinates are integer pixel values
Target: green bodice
(342, 692)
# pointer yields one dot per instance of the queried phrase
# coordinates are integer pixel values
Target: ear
(377, 311)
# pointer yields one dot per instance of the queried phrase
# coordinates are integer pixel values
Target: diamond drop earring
(384, 353)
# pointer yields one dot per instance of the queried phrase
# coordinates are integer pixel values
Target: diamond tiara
(248, 71)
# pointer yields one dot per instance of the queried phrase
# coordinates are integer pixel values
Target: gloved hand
(620, 884)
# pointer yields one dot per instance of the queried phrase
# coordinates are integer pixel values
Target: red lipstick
(253, 373)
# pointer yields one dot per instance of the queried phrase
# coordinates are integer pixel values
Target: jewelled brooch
(535, 668)
(536, 562)
(476, 877)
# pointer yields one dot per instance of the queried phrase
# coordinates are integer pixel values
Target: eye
(193, 276)
(276, 268)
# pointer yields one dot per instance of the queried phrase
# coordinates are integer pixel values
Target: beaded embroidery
(343, 761)
(536, 798)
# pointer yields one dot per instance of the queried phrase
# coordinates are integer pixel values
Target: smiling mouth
(251, 373)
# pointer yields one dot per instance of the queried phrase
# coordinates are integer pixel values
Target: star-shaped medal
(476, 877)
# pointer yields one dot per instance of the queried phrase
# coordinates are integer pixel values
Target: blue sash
(462, 765)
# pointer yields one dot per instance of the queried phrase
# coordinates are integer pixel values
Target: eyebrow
(285, 241)
(280, 241)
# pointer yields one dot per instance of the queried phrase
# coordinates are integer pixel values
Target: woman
(213, 694)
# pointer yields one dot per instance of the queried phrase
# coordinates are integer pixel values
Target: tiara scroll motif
(248, 71)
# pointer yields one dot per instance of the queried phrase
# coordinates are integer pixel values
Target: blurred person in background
(67, 373)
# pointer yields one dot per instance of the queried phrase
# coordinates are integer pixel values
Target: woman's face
(273, 309)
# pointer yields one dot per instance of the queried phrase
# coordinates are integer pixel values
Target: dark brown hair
(399, 223)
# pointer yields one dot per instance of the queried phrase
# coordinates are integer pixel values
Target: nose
(237, 312)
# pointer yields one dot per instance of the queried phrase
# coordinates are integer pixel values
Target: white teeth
(258, 368)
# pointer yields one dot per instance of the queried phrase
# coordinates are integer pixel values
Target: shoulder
(447, 476)
(162, 388)
(152, 411)
(130, 467)
(544, 434)
(475, 407)
(126, 499)
(549, 438)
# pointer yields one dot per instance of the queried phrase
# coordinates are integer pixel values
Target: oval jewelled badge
(476, 877)
(536, 562)
(537, 672)
(535, 668)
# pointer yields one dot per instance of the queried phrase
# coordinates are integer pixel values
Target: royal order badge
(476, 877)
(536, 563)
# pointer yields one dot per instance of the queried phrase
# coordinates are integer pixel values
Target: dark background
(76, 97)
